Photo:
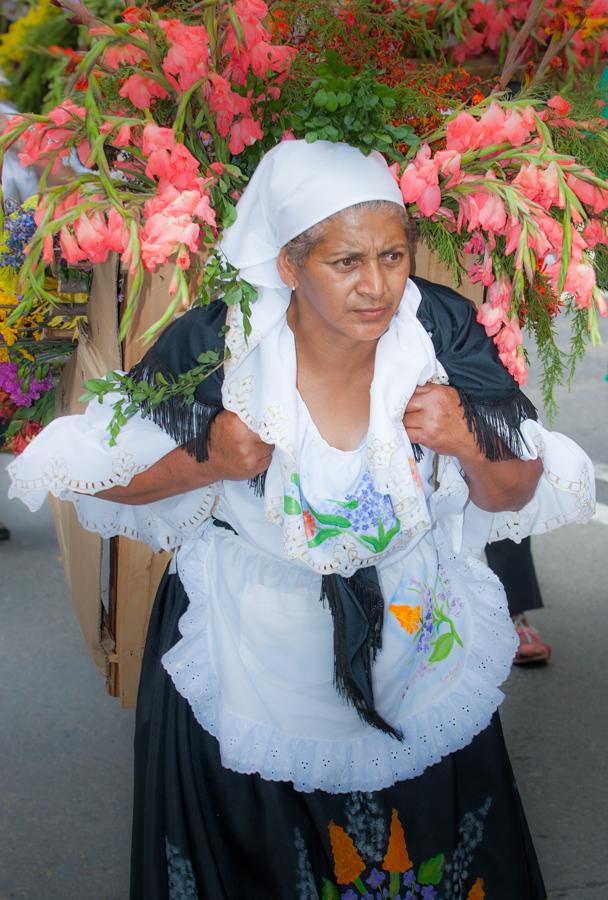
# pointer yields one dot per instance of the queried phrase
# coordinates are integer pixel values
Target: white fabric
(72, 459)
(259, 386)
(255, 660)
(295, 186)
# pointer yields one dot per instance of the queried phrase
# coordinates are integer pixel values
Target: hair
(298, 248)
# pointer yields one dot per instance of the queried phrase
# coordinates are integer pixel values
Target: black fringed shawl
(493, 405)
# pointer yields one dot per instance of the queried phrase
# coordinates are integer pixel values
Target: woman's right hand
(236, 452)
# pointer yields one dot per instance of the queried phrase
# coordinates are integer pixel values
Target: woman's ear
(287, 270)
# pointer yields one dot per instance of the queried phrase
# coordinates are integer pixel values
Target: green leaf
(330, 891)
(295, 479)
(320, 98)
(329, 519)
(291, 506)
(344, 504)
(323, 534)
(443, 648)
(431, 871)
(344, 98)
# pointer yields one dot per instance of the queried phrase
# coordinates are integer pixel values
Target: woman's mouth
(371, 314)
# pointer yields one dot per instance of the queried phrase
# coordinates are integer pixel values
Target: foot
(532, 649)
(4, 532)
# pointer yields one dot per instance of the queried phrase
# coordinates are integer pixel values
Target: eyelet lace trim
(367, 764)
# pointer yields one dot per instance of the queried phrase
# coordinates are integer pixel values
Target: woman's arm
(235, 453)
(435, 419)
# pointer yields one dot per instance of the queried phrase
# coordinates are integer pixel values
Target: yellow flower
(407, 616)
(15, 41)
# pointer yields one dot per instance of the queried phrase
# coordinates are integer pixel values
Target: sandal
(532, 649)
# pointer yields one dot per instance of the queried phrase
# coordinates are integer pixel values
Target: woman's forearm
(175, 473)
(500, 486)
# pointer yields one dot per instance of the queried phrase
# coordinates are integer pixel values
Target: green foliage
(220, 281)
(137, 395)
(446, 244)
(32, 81)
(338, 105)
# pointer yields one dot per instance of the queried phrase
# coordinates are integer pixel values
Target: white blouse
(255, 658)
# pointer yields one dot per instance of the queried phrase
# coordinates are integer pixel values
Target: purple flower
(372, 506)
(408, 878)
(349, 895)
(428, 893)
(14, 387)
(376, 878)
(20, 227)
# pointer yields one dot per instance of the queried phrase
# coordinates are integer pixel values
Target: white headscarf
(295, 186)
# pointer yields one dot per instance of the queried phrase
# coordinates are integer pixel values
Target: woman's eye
(345, 263)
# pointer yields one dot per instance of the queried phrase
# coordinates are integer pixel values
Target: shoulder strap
(493, 404)
(175, 352)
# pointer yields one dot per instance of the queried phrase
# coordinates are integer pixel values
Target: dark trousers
(513, 564)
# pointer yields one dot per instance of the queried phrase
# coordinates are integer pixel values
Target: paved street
(66, 747)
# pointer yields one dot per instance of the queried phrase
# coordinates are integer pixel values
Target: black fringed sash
(357, 608)
(493, 405)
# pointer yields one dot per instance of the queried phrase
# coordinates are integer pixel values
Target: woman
(317, 704)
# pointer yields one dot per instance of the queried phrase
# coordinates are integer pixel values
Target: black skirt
(513, 564)
(456, 832)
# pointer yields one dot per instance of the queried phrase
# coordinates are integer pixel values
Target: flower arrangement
(170, 114)
(33, 347)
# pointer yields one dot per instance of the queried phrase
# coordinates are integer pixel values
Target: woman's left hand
(435, 419)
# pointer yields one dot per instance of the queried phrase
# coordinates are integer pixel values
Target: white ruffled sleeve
(565, 493)
(72, 459)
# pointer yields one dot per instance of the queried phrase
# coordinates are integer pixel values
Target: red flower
(310, 526)
(23, 437)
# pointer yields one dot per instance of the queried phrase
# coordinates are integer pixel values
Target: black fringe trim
(356, 597)
(418, 452)
(189, 424)
(496, 423)
(258, 484)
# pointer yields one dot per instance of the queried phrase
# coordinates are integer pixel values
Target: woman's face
(353, 280)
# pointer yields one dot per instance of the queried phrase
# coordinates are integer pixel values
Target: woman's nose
(371, 282)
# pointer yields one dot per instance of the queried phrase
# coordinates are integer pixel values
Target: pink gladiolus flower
(512, 234)
(600, 302)
(463, 133)
(157, 138)
(472, 46)
(141, 91)
(595, 233)
(499, 294)
(118, 236)
(515, 363)
(177, 166)
(509, 338)
(188, 56)
(483, 272)
(161, 237)
(420, 182)
(92, 235)
(449, 164)
(561, 106)
(266, 57)
(491, 126)
(516, 129)
(225, 103)
(70, 249)
(580, 282)
(124, 54)
(491, 317)
(592, 196)
(244, 133)
(65, 113)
